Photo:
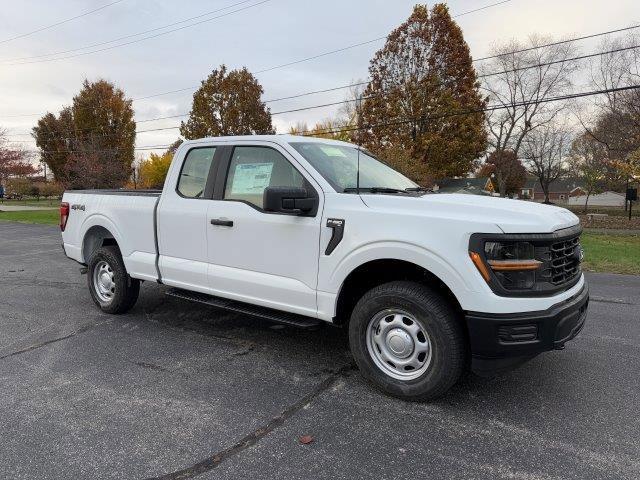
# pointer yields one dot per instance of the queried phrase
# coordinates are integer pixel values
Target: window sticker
(332, 151)
(251, 178)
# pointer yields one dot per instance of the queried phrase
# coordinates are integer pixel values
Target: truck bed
(120, 191)
(128, 215)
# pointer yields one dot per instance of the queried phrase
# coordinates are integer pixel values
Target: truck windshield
(338, 164)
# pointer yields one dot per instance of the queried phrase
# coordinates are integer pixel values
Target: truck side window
(252, 169)
(195, 170)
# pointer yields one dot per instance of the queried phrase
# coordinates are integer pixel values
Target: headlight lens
(509, 251)
(513, 263)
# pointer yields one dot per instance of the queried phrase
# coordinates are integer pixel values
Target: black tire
(435, 316)
(125, 291)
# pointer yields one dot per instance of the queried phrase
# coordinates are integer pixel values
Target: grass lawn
(33, 202)
(611, 253)
(46, 217)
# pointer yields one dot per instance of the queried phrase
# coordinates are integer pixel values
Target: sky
(258, 34)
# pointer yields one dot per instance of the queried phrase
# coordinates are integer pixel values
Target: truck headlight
(512, 263)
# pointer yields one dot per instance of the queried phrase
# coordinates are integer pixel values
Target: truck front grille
(561, 261)
(565, 261)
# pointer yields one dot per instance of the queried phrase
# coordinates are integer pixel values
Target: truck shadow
(325, 349)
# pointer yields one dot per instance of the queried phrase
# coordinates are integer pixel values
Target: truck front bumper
(503, 341)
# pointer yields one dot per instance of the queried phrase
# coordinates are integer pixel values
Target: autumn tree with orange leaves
(422, 107)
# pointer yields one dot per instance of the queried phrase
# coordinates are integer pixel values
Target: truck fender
(404, 251)
(99, 220)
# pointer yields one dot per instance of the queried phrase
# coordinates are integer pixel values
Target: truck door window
(195, 170)
(252, 169)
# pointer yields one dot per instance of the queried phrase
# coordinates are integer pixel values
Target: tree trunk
(586, 202)
(545, 190)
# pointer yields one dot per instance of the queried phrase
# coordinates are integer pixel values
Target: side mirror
(292, 200)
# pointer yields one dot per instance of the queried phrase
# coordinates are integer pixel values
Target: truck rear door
(182, 220)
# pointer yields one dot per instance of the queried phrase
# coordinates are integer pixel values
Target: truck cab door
(182, 219)
(260, 257)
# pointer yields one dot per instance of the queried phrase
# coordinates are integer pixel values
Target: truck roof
(278, 138)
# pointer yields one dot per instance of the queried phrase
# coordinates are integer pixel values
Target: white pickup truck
(302, 230)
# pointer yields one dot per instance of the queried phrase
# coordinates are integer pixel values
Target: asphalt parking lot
(179, 390)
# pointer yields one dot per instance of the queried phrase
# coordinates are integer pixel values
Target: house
(472, 186)
(559, 190)
(604, 199)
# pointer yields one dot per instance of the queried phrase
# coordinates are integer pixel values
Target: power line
(93, 45)
(41, 29)
(358, 84)
(342, 102)
(106, 150)
(406, 120)
(320, 55)
(560, 42)
(513, 52)
(362, 83)
(339, 50)
(144, 38)
(486, 75)
(584, 37)
(490, 108)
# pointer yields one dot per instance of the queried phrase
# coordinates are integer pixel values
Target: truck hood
(511, 216)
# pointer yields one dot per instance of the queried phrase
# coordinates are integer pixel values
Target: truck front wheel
(407, 340)
(112, 289)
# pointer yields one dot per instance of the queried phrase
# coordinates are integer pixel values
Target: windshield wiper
(374, 190)
(418, 189)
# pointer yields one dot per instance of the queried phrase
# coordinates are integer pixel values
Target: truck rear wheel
(407, 340)
(112, 289)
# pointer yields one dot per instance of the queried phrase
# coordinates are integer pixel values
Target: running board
(271, 314)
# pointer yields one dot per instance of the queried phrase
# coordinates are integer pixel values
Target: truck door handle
(222, 223)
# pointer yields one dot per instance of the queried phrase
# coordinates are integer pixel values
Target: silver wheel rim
(398, 344)
(103, 282)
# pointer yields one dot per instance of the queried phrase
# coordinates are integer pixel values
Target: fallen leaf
(306, 439)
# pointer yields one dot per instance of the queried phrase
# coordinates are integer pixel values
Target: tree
(631, 166)
(616, 123)
(153, 171)
(13, 161)
(19, 186)
(173, 148)
(422, 101)
(589, 163)
(98, 126)
(88, 168)
(544, 150)
(507, 171)
(51, 189)
(227, 104)
(518, 82)
(343, 126)
(327, 128)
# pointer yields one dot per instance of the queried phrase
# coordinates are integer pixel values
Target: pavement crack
(53, 340)
(242, 353)
(258, 434)
(618, 301)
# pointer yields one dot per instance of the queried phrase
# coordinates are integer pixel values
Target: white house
(605, 199)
